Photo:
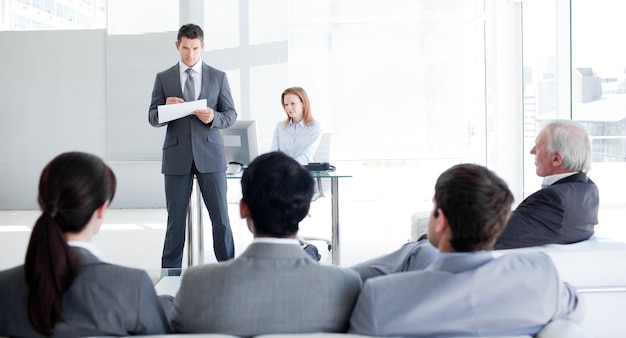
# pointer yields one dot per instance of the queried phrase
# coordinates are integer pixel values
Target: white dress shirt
(276, 240)
(549, 180)
(299, 141)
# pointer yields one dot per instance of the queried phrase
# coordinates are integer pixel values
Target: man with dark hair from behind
(274, 286)
(466, 291)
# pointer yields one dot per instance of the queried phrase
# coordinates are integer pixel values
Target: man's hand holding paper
(175, 108)
(205, 115)
(173, 100)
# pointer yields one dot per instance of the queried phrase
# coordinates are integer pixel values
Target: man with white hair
(565, 210)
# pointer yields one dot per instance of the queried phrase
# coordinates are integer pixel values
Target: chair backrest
(322, 154)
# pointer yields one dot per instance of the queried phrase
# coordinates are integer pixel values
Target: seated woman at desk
(299, 135)
(65, 287)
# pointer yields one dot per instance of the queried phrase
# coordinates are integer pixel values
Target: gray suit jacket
(467, 294)
(270, 288)
(411, 256)
(104, 300)
(188, 139)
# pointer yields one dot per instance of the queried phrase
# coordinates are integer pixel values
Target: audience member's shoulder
(203, 271)
(345, 273)
(122, 272)
(423, 246)
(200, 269)
(530, 258)
(13, 270)
(394, 281)
(11, 275)
(543, 197)
(551, 191)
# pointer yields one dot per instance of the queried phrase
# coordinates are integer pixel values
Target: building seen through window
(52, 14)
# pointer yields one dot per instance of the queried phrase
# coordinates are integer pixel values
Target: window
(591, 89)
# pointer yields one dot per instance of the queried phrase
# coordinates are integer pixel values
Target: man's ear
(557, 159)
(441, 221)
(101, 210)
(244, 211)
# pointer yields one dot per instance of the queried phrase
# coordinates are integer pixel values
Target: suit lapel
(174, 80)
(206, 81)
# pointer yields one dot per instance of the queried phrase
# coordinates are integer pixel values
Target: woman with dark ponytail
(65, 287)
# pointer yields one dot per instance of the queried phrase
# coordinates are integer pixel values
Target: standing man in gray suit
(274, 286)
(466, 291)
(193, 145)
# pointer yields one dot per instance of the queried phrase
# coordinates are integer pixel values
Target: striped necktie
(190, 92)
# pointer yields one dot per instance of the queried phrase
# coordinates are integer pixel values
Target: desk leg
(200, 233)
(189, 236)
(334, 191)
(195, 211)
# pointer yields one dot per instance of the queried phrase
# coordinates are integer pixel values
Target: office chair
(322, 154)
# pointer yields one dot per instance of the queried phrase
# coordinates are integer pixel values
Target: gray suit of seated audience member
(65, 288)
(411, 256)
(466, 291)
(566, 210)
(274, 286)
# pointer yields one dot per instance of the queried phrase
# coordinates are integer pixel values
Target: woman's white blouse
(299, 141)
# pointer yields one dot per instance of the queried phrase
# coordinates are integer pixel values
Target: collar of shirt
(89, 247)
(549, 180)
(275, 240)
(182, 67)
(299, 124)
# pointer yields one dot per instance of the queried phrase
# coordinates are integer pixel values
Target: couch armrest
(563, 329)
(419, 224)
(594, 262)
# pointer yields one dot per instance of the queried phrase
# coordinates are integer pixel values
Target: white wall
(52, 100)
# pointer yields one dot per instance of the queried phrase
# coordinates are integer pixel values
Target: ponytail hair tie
(51, 211)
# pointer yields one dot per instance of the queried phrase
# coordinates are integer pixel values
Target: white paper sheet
(169, 112)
